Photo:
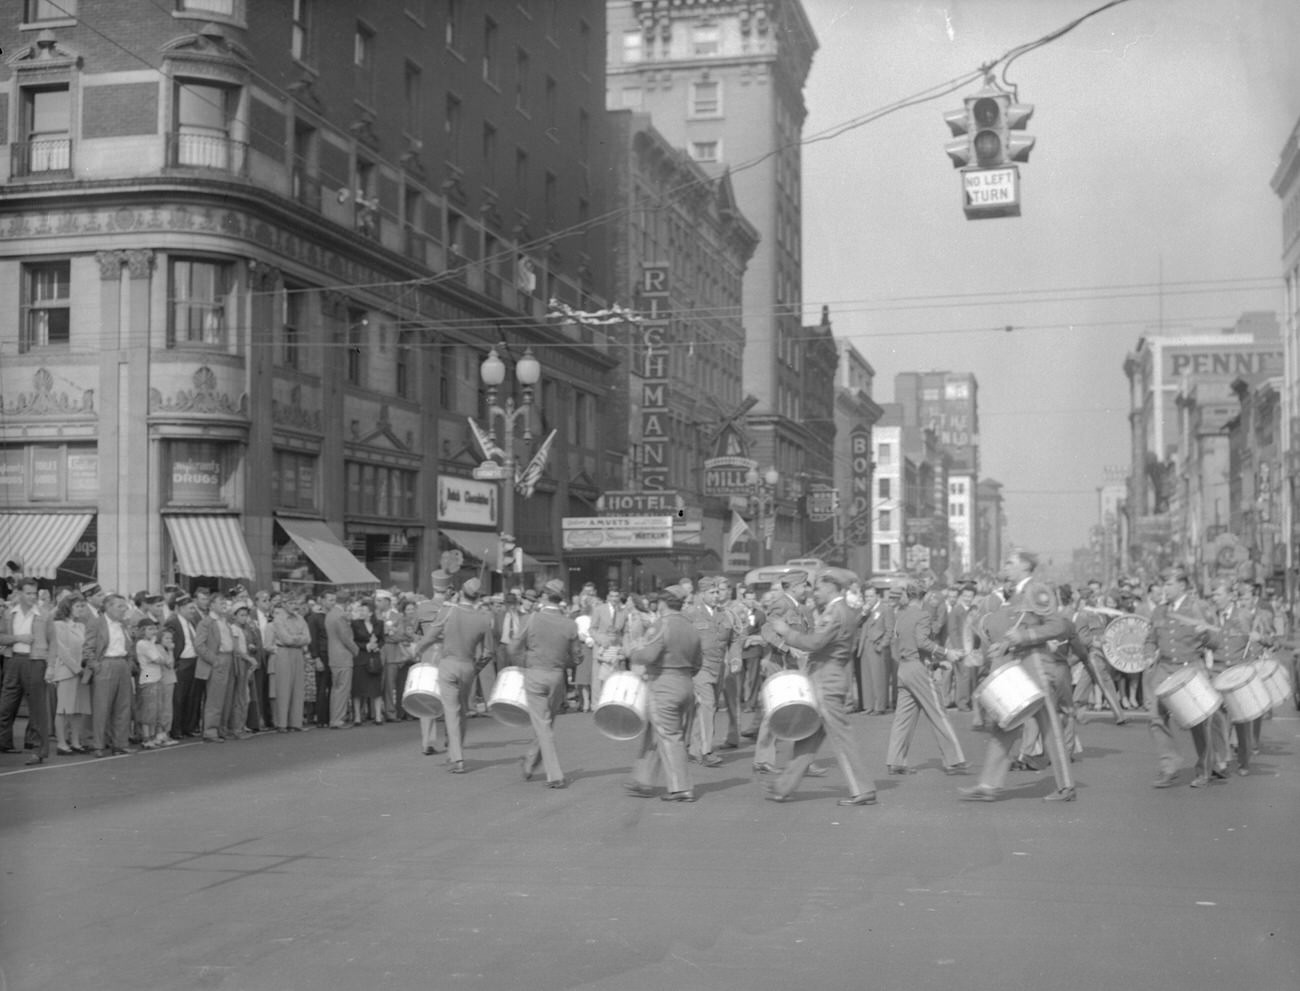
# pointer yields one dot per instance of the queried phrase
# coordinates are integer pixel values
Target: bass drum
(1124, 642)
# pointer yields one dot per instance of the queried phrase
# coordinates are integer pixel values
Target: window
(446, 376)
(959, 509)
(48, 147)
(706, 39)
(300, 37)
(198, 472)
(489, 155)
(292, 325)
(413, 90)
(885, 454)
(451, 128)
(204, 114)
(405, 365)
(452, 36)
(294, 480)
(883, 562)
(306, 185)
(490, 36)
(552, 104)
(49, 10)
(363, 61)
(633, 46)
(549, 199)
(198, 292)
(630, 98)
(49, 472)
(706, 98)
(883, 487)
(357, 323)
(375, 490)
(704, 151)
(521, 174)
(224, 8)
(521, 80)
(46, 318)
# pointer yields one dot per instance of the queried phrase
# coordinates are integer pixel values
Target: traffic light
(984, 126)
(507, 551)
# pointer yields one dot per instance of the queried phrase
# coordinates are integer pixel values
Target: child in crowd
(166, 690)
(151, 656)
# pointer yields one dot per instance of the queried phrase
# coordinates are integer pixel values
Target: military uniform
(915, 648)
(671, 655)
(1241, 630)
(465, 634)
(1178, 644)
(717, 631)
(546, 647)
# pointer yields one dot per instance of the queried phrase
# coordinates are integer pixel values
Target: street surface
(347, 860)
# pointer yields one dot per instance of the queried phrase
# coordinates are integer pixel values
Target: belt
(114, 657)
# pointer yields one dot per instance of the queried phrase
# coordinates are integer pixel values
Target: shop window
(198, 473)
(294, 479)
(48, 473)
(46, 319)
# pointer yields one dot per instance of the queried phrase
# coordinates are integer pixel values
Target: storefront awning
(485, 546)
(327, 552)
(40, 541)
(210, 545)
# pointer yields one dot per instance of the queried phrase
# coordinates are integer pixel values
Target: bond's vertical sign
(860, 507)
(654, 388)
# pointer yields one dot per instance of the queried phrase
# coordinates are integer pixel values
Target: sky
(1146, 208)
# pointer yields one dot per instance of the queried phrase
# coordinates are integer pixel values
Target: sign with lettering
(47, 473)
(821, 503)
(654, 386)
(860, 475)
(83, 476)
(638, 503)
(615, 534)
(197, 472)
(728, 476)
(991, 192)
(463, 500)
(1225, 361)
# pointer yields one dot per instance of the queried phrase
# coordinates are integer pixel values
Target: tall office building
(724, 81)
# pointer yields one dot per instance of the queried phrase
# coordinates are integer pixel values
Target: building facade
(254, 262)
(888, 508)
(1286, 184)
(856, 414)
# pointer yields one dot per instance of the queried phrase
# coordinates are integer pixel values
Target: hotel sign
(638, 503)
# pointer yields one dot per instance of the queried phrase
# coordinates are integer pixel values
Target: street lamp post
(763, 493)
(493, 373)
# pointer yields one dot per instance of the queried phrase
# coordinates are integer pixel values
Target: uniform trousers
(732, 689)
(1162, 733)
(215, 702)
(918, 696)
(878, 679)
(110, 704)
(455, 683)
(830, 686)
(25, 676)
(187, 700)
(544, 691)
(1055, 682)
(1221, 731)
(1097, 672)
(289, 682)
(340, 692)
(963, 685)
(707, 691)
(672, 704)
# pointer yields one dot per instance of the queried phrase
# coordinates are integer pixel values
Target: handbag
(373, 664)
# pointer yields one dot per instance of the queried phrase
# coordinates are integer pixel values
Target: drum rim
(1241, 671)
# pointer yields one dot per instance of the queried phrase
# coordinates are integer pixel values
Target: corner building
(252, 256)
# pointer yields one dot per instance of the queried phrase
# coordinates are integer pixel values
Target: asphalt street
(347, 860)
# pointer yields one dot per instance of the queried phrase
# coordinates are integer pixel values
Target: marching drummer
(671, 656)
(717, 631)
(1180, 635)
(830, 644)
(425, 651)
(547, 644)
(465, 633)
(1241, 635)
(1019, 632)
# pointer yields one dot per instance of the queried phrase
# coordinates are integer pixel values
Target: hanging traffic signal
(987, 151)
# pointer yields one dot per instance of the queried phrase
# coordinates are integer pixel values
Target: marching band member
(1178, 643)
(465, 633)
(671, 656)
(547, 644)
(1089, 625)
(1021, 630)
(788, 605)
(917, 694)
(426, 650)
(1237, 641)
(717, 631)
(830, 645)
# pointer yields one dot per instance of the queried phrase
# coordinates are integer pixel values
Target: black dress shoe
(562, 783)
(1061, 795)
(677, 796)
(638, 790)
(34, 760)
(869, 798)
(527, 771)
(764, 768)
(456, 767)
(977, 793)
(899, 769)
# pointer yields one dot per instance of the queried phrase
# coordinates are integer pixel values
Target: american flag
(526, 480)
(487, 446)
(739, 530)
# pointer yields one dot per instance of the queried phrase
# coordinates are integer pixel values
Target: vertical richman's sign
(654, 387)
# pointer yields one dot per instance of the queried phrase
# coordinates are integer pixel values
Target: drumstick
(1192, 621)
(1105, 611)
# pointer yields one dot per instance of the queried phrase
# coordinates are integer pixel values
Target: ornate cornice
(44, 401)
(204, 400)
(292, 414)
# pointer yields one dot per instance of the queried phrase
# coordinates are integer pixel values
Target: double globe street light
(528, 371)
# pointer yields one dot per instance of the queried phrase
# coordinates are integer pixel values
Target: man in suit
(465, 634)
(546, 644)
(830, 644)
(606, 631)
(717, 635)
(215, 645)
(918, 654)
(24, 629)
(1019, 633)
(874, 641)
(109, 648)
(1180, 636)
(340, 649)
(318, 654)
(187, 701)
(671, 656)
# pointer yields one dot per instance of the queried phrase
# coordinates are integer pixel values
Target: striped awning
(336, 562)
(40, 542)
(212, 546)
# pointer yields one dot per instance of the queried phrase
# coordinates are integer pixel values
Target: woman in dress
(72, 701)
(367, 665)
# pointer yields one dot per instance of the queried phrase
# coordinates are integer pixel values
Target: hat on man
(530, 595)
(794, 578)
(553, 587)
(243, 606)
(441, 581)
(673, 595)
(383, 594)
(841, 578)
(153, 599)
(183, 599)
(471, 588)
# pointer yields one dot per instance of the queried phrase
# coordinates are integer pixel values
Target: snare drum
(1245, 698)
(1274, 679)
(421, 696)
(1189, 696)
(509, 702)
(791, 705)
(1010, 696)
(624, 706)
